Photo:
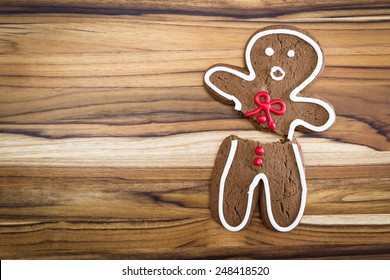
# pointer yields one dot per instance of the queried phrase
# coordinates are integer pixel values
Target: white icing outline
(274, 69)
(269, 51)
(293, 95)
(252, 186)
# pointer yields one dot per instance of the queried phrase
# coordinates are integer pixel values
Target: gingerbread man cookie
(281, 61)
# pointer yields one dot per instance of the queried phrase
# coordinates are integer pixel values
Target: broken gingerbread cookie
(281, 61)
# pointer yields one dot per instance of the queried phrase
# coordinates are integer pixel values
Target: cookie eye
(291, 53)
(269, 51)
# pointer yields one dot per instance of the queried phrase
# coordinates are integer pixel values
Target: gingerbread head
(281, 61)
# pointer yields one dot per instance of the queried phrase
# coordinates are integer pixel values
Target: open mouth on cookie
(277, 73)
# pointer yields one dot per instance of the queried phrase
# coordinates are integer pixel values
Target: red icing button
(260, 150)
(261, 118)
(272, 125)
(258, 161)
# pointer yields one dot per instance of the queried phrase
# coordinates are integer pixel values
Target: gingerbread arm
(312, 113)
(225, 82)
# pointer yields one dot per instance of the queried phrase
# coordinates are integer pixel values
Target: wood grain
(108, 137)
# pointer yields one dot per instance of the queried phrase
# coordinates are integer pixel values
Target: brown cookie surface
(251, 158)
(280, 63)
(281, 168)
(241, 174)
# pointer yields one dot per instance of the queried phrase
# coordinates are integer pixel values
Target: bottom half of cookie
(248, 173)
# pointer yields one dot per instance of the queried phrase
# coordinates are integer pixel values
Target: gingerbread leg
(233, 188)
(283, 195)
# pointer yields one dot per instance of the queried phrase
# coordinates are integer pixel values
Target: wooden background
(108, 137)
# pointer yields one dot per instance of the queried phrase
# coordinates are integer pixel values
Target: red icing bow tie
(266, 107)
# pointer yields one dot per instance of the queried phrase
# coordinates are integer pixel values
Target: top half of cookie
(281, 61)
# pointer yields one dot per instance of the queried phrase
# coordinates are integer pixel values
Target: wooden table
(108, 137)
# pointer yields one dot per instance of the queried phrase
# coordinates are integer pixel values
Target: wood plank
(313, 251)
(108, 137)
(74, 193)
(182, 150)
(114, 71)
(247, 9)
(113, 239)
(166, 174)
(356, 219)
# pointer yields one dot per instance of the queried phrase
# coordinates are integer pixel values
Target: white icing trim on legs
(293, 95)
(253, 185)
(303, 196)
